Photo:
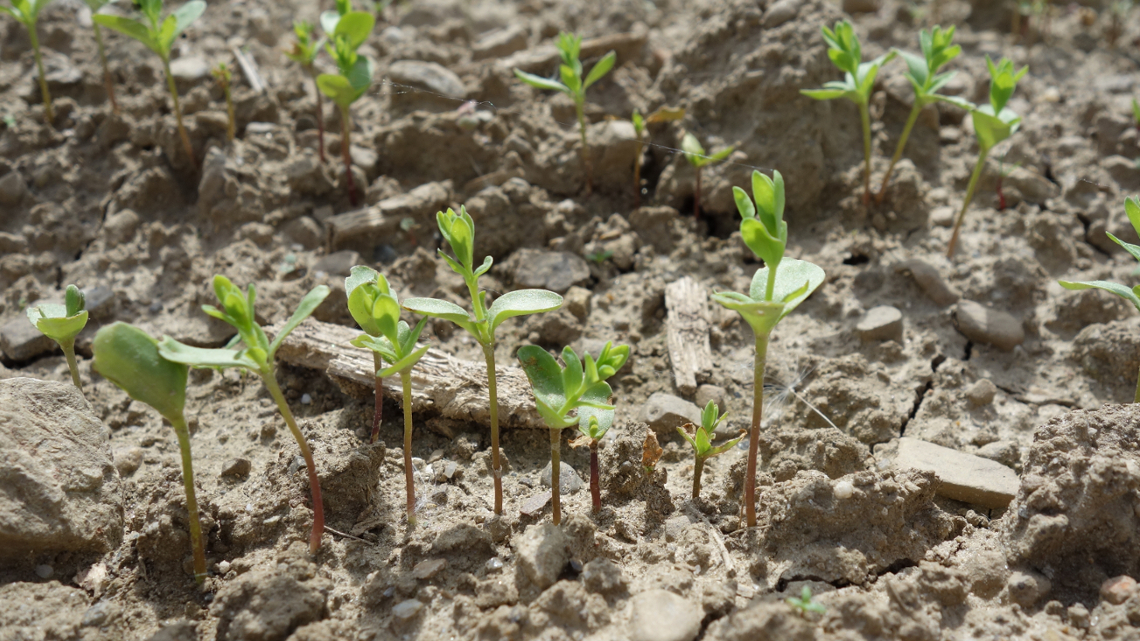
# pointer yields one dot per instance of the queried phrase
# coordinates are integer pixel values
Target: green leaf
(485, 267)
(597, 394)
(132, 28)
(362, 274)
(129, 357)
(329, 20)
(761, 242)
(724, 447)
(825, 94)
(709, 416)
(440, 309)
(546, 382)
(639, 122)
(540, 82)
(570, 79)
(74, 301)
(722, 154)
(404, 363)
(459, 231)
(693, 149)
(688, 438)
(702, 440)
(762, 316)
(1136, 111)
(743, 203)
(520, 302)
(355, 26)
(790, 279)
(601, 69)
(1108, 286)
(916, 67)
(1128, 247)
(187, 14)
(1132, 209)
(174, 351)
(572, 377)
(378, 344)
(52, 320)
(337, 88)
(308, 305)
(991, 129)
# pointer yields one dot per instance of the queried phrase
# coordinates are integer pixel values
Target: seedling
(159, 34)
(993, 123)
(128, 357)
(27, 13)
(578, 386)
(639, 124)
(1132, 209)
(459, 232)
(695, 154)
(62, 323)
(257, 357)
(572, 84)
(600, 257)
(1003, 173)
(701, 440)
(222, 74)
(108, 80)
(803, 605)
(347, 30)
(1136, 113)
(304, 53)
(922, 72)
(592, 435)
(859, 79)
(375, 308)
(774, 293)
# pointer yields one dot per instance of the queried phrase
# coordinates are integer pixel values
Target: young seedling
(304, 53)
(846, 53)
(803, 605)
(591, 436)
(128, 357)
(374, 307)
(922, 72)
(27, 13)
(1136, 113)
(1132, 209)
(1003, 173)
(62, 323)
(572, 84)
(777, 289)
(695, 154)
(578, 386)
(257, 357)
(159, 34)
(701, 440)
(640, 123)
(222, 74)
(108, 80)
(347, 30)
(459, 232)
(993, 123)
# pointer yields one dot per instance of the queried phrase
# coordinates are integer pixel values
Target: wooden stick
(687, 328)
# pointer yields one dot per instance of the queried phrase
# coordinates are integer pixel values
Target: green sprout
(572, 84)
(601, 256)
(859, 79)
(772, 295)
(62, 323)
(459, 232)
(701, 440)
(304, 53)
(1132, 209)
(108, 80)
(375, 308)
(591, 436)
(27, 13)
(804, 604)
(922, 72)
(159, 34)
(640, 123)
(1136, 112)
(579, 385)
(222, 74)
(128, 357)
(257, 357)
(347, 30)
(993, 123)
(695, 154)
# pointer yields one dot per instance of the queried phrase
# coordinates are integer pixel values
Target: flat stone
(556, 271)
(981, 324)
(577, 302)
(12, 189)
(363, 157)
(534, 505)
(930, 282)
(1117, 589)
(570, 481)
(60, 490)
(543, 551)
(714, 393)
(21, 341)
(337, 263)
(306, 175)
(665, 413)
(964, 477)
(882, 323)
(12, 243)
(189, 68)
(427, 75)
(429, 568)
(499, 43)
(781, 12)
(120, 227)
(660, 615)
(237, 468)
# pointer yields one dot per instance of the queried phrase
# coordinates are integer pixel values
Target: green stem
(270, 379)
(578, 105)
(378, 414)
(595, 477)
(913, 118)
(69, 352)
(1137, 398)
(49, 113)
(186, 146)
(231, 126)
(637, 173)
(409, 473)
(108, 80)
(754, 433)
(865, 117)
(320, 113)
(698, 469)
(492, 393)
(966, 203)
(555, 473)
(346, 153)
(196, 543)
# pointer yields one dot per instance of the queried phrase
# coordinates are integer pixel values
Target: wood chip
(687, 327)
(249, 70)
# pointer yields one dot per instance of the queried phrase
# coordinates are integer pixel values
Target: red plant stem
(697, 197)
(345, 146)
(493, 402)
(698, 469)
(637, 174)
(314, 481)
(595, 485)
(409, 474)
(378, 414)
(1000, 194)
(555, 474)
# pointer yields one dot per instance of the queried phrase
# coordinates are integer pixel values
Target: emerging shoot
(859, 79)
(62, 323)
(774, 293)
(108, 80)
(128, 357)
(695, 154)
(591, 436)
(375, 308)
(803, 605)
(223, 75)
(257, 357)
(639, 125)
(459, 232)
(27, 13)
(304, 53)
(701, 440)
(573, 85)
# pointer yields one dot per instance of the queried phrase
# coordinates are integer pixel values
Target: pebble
(964, 477)
(21, 341)
(237, 468)
(12, 189)
(128, 461)
(602, 575)
(306, 399)
(429, 568)
(499, 43)
(1027, 588)
(427, 75)
(660, 615)
(930, 282)
(714, 393)
(882, 323)
(781, 12)
(570, 481)
(981, 392)
(494, 563)
(543, 551)
(44, 571)
(189, 68)
(556, 271)
(337, 263)
(981, 324)
(843, 489)
(407, 609)
(1117, 589)
(942, 216)
(665, 413)
(577, 301)
(535, 504)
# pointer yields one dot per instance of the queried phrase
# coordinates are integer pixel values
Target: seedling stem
(186, 146)
(493, 393)
(196, 543)
(754, 432)
(108, 80)
(49, 112)
(378, 414)
(409, 473)
(346, 153)
(973, 186)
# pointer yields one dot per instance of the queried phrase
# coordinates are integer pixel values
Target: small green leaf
(1132, 209)
(337, 88)
(329, 20)
(132, 28)
(129, 357)
(743, 203)
(378, 344)
(187, 14)
(521, 302)
(52, 320)
(74, 300)
(198, 357)
(545, 380)
(1108, 286)
(540, 82)
(688, 438)
(1128, 247)
(437, 308)
(692, 148)
(790, 279)
(404, 363)
(356, 26)
(825, 94)
(572, 377)
(308, 305)
(761, 242)
(601, 69)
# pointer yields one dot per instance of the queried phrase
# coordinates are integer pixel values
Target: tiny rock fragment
(337, 263)
(237, 468)
(780, 12)
(407, 609)
(556, 271)
(429, 568)
(535, 504)
(882, 323)
(543, 551)
(964, 477)
(981, 324)
(930, 281)
(577, 302)
(128, 461)
(499, 43)
(981, 392)
(1027, 588)
(1117, 589)
(665, 412)
(570, 481)
(714, 393)
(660, 615)
(12, 189)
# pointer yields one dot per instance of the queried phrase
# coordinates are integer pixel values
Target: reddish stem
(345, 153)
(595, 485)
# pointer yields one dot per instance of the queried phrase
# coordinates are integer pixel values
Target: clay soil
(108, 201)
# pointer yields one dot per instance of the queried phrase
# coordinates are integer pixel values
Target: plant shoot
(640, 124)
(108, 79)
(223, 75)
(27, 13)
(304, 53)
(695, 154)
(62, 323)
(700, 438)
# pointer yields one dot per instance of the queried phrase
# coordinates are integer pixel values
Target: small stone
(405, 610)
(942, 216)
(12, 243)
(305, 231)
(930, 281)
(363, 157)
(99, 614)
(1004, 452)
(714, 393)
(843, 489)
(860, 6)
(337, 263)
(570, 481)
(556, 271)
(44, 571)
(21, 341)
(1027, 588)
(237, 468)
(12, 189)
(665, 413)
(981, 392)
(189, 69)
(964, 477)
(602, 576)
(577, 302)
(427, 75)
(781, 12)
(981, 324)
(660, 615)
(535, 504)
(675, 525)
(542, 552)
(494, 592)
(307, 176)
(1117, 589)
(499, 43)
(259, 233)
(429, 568)
(882, 323)
(128, 461)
